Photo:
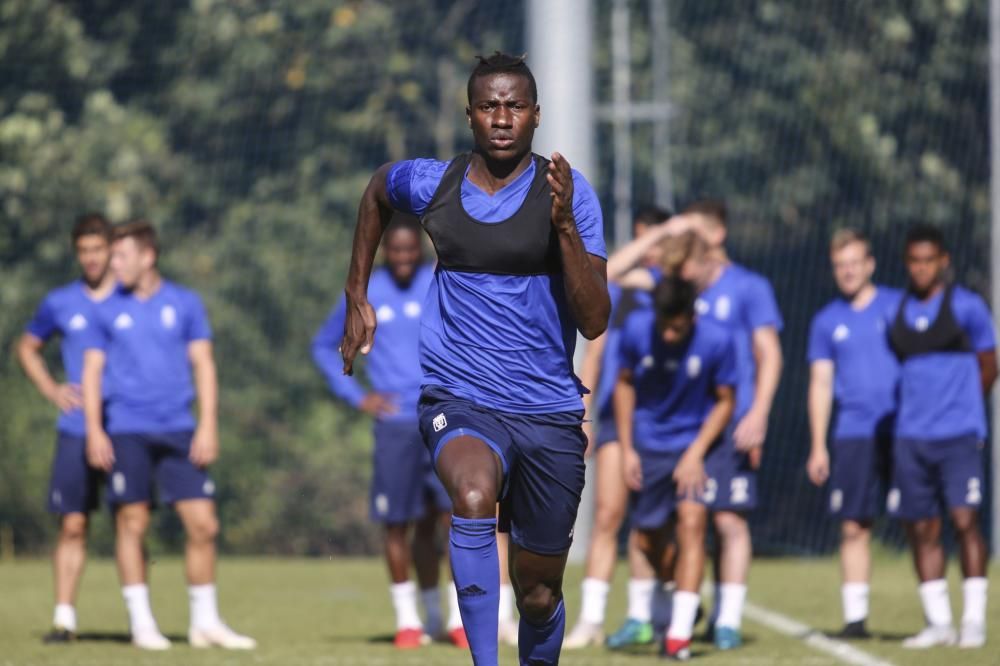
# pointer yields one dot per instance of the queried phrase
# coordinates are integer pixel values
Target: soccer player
(600, 369)
(153, 338)
(944, 338)
(405, 490)
(743, 302)
(521, 269)
(73, 486)
(673, 400)
(851, 364)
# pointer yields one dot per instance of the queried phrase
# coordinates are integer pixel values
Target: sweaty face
(926, 264)
(503, 116)
(130, 261)
(675, 330)
(93, 254)
(853, 268)
(403, 254)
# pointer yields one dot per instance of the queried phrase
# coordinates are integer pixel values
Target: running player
(73, 486)
(673, 400)
(850, 363)
(405, 490)
(944, 338)
(521, 269)
(153, 338)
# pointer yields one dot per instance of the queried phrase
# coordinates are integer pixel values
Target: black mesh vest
(523, 244)
(943, 335)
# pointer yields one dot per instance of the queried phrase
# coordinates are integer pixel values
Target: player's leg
(691, 524)
(507, 625)
(537, 580)
(427, 567)
(855, 569)
(439, 523)
(735, 551)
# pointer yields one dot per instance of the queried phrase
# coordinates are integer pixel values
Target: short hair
(678, 249)
(91, 224)
(714, 209)
(925, 233)
(141, 231)
(651, 215)
(400, 222)
(843, 237)
(673, 297)
(502, 63)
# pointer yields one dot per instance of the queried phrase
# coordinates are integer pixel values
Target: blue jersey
(940, 393)
(68, 312)
(393, 365)
(866, 372)
(501, 341)
(742, 302)
(623, 303)
(148, 381)
(675, 385)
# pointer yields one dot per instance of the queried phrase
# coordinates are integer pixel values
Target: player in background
(147, 357)
(405, 490)
(73, 485)
(944, 338)
(521, 269)
(852, 366)
(600, 369)
(674, 397)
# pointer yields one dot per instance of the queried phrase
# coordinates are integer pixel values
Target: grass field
(337, 612)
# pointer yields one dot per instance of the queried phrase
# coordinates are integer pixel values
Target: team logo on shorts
(123, 321)
(723, 307)
(208, 487)
(168, 316)
(694, 366)
(711, 490)
(412, 309)
(647, 361)
(841, 333)
(381, 504)
(836, 499)
(439, 423)
(974, 492)
(739, 490)
(118, 483)
(385, 314)
(78, 322)
(57, 498)
(892, 500)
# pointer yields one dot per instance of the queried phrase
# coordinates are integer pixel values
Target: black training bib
(944, 335)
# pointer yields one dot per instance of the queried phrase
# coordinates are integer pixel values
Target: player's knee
(538, 604)
(965, 521)
(475, 498)
(73, 528)
(853, 532)
(608, 517)
(132, 521)
(691, 526)
(731, 526)
(203, 530)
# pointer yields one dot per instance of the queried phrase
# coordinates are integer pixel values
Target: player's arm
(590, 376)
(752, 429)
(205, 444)
(29, 353)
(987, 368)
(584, 274)
(374, 214)
(690, 471)
(820, 408)
(100, 454)
(623, 262)
(624, 401)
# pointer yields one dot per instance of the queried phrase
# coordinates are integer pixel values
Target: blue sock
(475, 566)
(539, 645)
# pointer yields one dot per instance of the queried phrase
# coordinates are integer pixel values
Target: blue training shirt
(866, 372)
(393, 365)
(68, 312)
(623, 303)
(674, 384)
(148, 379)
(501, 341)
(742, 302)
(941, 394)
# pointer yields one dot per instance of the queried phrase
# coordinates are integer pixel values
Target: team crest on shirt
(921, 323)
(77, 322)
(723, 307)
(168, 316)
(701, 306)
(411, 309)
(123, 321)
(841, 333)
(385, 314)
(693, 366)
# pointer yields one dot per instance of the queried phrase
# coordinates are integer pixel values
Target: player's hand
(633, 470)
(204, 446)
(378, 405)
(756, 455)
(690, 476)
(100, 453)
(750, 431)
(588, 431)
(561, 181)
(818, 467)
(67, 397)
(359, 332)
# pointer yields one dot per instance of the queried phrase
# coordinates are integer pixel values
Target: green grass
(337, 612)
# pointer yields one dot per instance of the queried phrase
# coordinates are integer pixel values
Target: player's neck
(930, 292)
(99, 290)
(863, 297)
(148, 285)
(491, 176)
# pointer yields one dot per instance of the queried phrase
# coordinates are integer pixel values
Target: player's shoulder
(71, 291)
(964, 296)
(748, 278)
(183, 294)
(639, 321)
(831, 310)
(421, 167)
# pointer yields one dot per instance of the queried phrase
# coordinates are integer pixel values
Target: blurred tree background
(247, 129)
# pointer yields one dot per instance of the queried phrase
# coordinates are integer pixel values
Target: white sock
(731, 598)
(855, 599)
(640, 598)
(65, 617)
(454, 613)
(140, 615)
(430, 599)
(937, 606)
(204, 606)
(974, 593)
(685, 608)
(404, 600)
(595, 600)
(506, 603)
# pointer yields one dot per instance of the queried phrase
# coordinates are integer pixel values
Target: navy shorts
(73, 485)
(929, 476)
(607, 430)
(652, 507)
(731, 483)
(142, 459)
(542, 457)
(859, 473)
(404, 483)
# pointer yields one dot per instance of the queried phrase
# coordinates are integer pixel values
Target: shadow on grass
(119, 637)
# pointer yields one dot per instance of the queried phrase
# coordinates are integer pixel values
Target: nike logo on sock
(471, 591)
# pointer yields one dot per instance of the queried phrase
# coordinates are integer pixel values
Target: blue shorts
(73, 485)
(859, 473)
(732, 483)
(652, 507)
(404, 484)
(607, 430)
(542, 457)
(929, 476)
(141, 457)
